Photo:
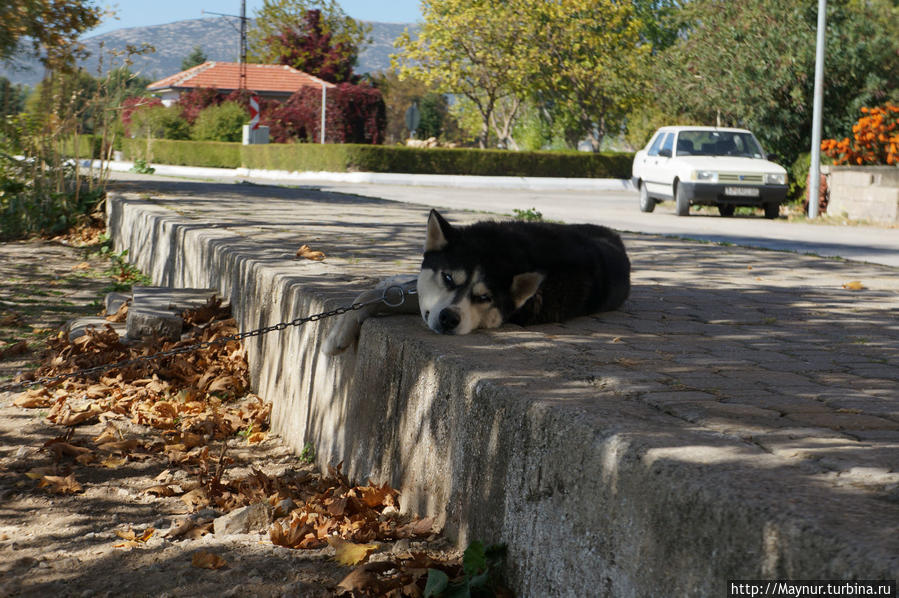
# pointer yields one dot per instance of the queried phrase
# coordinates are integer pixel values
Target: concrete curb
(700, 434)
(421, 180)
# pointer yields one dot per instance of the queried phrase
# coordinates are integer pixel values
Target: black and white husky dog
(489, 273)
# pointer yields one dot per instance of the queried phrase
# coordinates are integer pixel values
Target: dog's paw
(342, 335)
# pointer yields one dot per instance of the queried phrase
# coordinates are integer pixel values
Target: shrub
(134, 104)
(196, 100)
(875, 139)
(221, 122)
(159, 122)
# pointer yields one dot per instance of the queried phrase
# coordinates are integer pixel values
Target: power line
(242, 60)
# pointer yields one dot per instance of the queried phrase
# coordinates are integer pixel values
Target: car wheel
(772, 210)
(726, 210)
(683, 204)
(647, 204)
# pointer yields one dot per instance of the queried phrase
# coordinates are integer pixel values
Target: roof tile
(226, 75)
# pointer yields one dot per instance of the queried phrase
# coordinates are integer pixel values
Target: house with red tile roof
(266, 80)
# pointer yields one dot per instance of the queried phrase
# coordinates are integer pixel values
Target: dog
(489, 273)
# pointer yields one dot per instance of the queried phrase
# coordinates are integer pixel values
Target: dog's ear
(439, 230)
(524, 286)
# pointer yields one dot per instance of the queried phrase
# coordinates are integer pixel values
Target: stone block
(77, 327)
(251, 518)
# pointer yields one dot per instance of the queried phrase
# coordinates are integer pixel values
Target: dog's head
(464, 283)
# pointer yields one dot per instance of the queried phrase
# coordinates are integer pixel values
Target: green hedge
(88, 146)
(378, 158)
(215, 154)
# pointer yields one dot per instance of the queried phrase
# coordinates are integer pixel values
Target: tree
(591, 62)
(399, 95)
(195, 58)
(752, 64)
(50, 27)
(12, 97)
(314, 36)
(473, 49)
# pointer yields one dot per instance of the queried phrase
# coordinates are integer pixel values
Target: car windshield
(718, 143)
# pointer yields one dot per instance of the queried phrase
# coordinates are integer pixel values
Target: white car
(708, 166)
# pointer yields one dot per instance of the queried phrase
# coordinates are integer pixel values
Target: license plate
(742, 191)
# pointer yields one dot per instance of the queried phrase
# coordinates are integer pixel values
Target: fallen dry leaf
(366, 580)
(120, 315)
(11, 319)
(109, 434)
(119, 446)
(854, 285)
(63, 449)
(350, 553)
(310, 254)
(207, 560)
(113, 462)
(163, 490)
(32, 399)
(59, 484)
(256, 437)
(189, 529)
(82, 266)
(19, 348)
(132, 540)
(67, 417)
(196, 498)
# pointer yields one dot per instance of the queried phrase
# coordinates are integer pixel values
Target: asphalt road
(619, 210)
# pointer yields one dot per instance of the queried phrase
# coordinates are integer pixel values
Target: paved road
(619, 210)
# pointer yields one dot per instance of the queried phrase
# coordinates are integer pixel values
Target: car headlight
(775, 179)
(708, 176)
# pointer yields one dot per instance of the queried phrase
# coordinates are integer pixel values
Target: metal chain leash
(393, 296)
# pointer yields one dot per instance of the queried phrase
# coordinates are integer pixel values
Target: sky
(138, 13)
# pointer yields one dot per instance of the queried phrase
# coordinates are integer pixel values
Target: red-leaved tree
(310, 46)
(353, 114)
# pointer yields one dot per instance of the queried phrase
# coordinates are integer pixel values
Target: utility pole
(324, 101)
(814, 173)
(243, 45)
(242, 58)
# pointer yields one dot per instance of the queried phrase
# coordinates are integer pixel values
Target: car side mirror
(773, 158)
(665, 153)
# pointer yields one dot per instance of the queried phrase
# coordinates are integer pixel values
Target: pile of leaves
(195, 403)
(191, 398)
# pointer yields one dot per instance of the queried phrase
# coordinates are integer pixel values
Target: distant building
(266, 80)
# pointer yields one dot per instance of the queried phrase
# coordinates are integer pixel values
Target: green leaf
(436, 584)
(474, 559)
(458, 591)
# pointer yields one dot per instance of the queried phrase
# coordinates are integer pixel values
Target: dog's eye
(448, 279)
(484, 298)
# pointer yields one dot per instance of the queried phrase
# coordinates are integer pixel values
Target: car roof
(679, 128)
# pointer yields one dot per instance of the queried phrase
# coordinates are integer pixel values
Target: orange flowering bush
(875, 139)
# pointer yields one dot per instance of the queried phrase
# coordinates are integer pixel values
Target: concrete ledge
(716, 428)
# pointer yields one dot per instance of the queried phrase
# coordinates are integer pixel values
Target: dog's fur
(489, 273)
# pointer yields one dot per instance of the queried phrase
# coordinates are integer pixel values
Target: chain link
(390, 301)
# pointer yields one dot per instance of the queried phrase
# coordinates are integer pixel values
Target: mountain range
(218, 37)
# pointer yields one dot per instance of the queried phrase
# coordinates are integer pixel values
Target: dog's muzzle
(448, 320)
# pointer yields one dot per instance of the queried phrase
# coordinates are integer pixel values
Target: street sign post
(413, 118)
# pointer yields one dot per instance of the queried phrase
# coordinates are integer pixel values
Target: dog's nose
(448, 320)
